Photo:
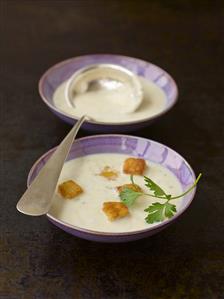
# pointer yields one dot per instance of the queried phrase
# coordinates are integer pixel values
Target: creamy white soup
(104, 106)
(85, 210)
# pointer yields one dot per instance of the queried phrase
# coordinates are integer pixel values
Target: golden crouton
(114, 210)
(109, 173)
(133, 187)
(69, 189)
(134, 166)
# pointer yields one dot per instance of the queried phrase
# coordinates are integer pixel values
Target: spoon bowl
(107, 78)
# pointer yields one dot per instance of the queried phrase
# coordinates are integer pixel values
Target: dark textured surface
(186, 261)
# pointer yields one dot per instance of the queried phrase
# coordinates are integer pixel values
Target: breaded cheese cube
(69, 189)
(109, 173)
(133, 187)
(114, 210)
(134, 166)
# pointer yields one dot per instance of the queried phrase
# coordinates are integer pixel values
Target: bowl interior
(133, 146)
(61, 72)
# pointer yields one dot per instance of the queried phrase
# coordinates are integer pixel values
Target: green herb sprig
(157, 212)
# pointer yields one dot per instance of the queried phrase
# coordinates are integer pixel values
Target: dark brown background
(185, 38)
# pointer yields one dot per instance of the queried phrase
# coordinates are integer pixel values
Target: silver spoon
(38, 197)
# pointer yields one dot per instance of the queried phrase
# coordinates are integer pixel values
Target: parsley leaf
(170, 210)
(158, 212)
(157, 190)
(155, 213)
(129, 196)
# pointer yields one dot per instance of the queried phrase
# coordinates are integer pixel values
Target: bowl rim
(100, 123)
(111, 234)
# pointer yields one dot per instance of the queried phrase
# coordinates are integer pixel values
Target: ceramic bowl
(133, 146)
(62, 71)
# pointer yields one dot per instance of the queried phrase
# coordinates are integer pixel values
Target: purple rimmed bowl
(133, 146)
(62, 71)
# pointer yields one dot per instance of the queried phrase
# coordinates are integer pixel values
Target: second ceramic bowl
(62, 71)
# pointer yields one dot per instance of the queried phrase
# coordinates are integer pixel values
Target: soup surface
(104, 106)
(85, 210)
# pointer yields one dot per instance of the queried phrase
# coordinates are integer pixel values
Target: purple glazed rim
(97, 233)
(109, 56)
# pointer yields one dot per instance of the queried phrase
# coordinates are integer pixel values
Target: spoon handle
(38, 197)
